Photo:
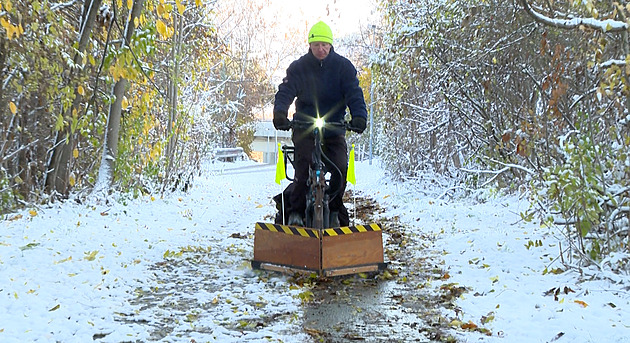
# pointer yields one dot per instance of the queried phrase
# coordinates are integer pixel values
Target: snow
(72, 272)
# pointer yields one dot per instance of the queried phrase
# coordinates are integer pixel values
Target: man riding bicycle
(324, 83)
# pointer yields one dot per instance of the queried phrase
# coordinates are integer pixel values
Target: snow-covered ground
(74, 272)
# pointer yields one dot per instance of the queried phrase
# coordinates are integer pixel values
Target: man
(324, 83)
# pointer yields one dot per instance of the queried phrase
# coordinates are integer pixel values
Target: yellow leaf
(91, 255)
(161, 28)
(129, 4)
(125, 103)
(8, 27)
(80, 90)
(8, 5)
(180, 8)
(160, 10)
(33, 213)
(75, 153)
(12, 107)
(152, 198)
(581, 303)
(55, 308)
(64, 260)
(259, 206)
(72, 180)
(198, 3)
(456, 323)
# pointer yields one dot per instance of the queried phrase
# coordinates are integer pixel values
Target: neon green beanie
(320, 32)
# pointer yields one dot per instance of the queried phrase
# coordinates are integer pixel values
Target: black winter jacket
(324, 87)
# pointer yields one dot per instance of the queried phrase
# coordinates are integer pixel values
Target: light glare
(319, 122)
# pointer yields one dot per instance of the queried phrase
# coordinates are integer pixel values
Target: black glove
(280, 121)
(357, 124)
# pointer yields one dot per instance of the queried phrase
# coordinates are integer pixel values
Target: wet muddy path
(402, 304)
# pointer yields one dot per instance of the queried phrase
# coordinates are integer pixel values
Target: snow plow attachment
(327, 252)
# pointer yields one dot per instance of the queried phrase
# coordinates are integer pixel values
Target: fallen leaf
(581, 303)
(55, 308)
(455, 323)
(469, 326)
(560, 334)
(64, 260)
(29, 246)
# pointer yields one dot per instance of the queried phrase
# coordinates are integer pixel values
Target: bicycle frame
(317, 210)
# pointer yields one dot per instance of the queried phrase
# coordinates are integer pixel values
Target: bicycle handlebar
(307, 125)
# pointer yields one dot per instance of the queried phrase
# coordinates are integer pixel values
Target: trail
(194, 285)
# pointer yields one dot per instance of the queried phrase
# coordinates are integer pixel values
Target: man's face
(320, 49)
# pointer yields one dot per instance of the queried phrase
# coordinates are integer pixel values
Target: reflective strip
(314, 233)
(289, 230)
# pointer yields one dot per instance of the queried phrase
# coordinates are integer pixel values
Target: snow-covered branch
(607, 25)
(507, 167)
(58, 6)
(610, 63)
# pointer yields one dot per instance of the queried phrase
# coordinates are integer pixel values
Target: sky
(343, 16)
(74, 271)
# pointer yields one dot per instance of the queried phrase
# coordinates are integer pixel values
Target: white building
(266, 139)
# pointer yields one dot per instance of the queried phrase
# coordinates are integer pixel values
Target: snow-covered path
(114, 272)
(73, 273)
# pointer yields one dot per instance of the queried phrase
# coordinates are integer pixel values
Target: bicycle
(317, 247)
(317, 214)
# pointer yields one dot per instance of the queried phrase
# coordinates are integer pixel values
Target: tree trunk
(110, 148)
(173, 95)
(57, 177)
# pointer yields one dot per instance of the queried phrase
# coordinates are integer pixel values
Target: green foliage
(575, 187)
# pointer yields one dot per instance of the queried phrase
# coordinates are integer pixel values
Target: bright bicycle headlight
(319, 122)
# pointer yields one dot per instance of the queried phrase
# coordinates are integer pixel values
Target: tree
(514, 94)
(110, 148)
(58, 173)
